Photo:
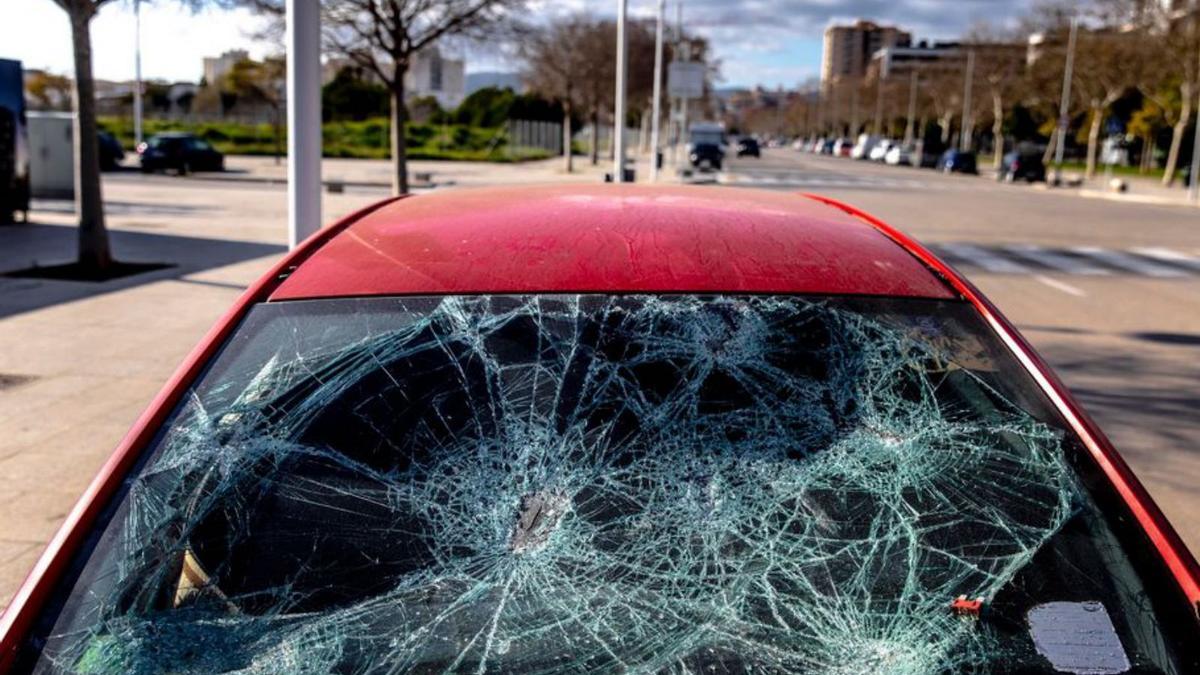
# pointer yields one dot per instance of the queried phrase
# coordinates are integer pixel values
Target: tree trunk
(997, 131)
(568, 160)
(595, 150)
(277, 129)
(1185, 116)
(94, 250)
(946, 122)
(1093, 142)
(399, 142)
(1147, 152)
(1050, 146)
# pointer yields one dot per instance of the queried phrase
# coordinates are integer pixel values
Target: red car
(611, 429)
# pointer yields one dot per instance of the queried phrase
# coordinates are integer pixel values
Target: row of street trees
(572, 60)
(1137, 66)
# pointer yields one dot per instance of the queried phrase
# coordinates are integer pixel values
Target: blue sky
(768, 42)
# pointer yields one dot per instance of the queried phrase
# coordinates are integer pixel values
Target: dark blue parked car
(957, 161)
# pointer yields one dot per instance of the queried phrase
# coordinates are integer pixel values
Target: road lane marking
(1127, 262)
(1060, 286)
(978, 256)
(1167, 255)
(1054, 260)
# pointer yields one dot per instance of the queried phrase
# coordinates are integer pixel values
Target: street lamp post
(304, 118)
(654, 120)
(1065, 103)
(137, 73)
(619, 112)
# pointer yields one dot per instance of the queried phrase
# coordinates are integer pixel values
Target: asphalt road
(1108, 292)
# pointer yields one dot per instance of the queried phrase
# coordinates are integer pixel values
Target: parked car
(957, 161)
(767, 419)
(880, 149)
(747, 146)
(1027, 166)
(111, 152)
(828, 147)
(862, 147)
(842, 147)
(182, 152)
(900, 155)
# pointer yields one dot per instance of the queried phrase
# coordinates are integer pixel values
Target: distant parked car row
(1022, 164)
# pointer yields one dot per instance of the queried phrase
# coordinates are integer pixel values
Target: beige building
(848, 49)
(215, 67)
(430, 74)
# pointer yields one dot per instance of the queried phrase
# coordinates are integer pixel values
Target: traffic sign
(685, 79)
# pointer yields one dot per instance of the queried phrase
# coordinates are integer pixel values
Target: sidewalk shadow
(24, 245)
(1145, 400)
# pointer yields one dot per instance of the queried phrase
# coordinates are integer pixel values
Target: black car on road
(748, 147)
(111, 152)
(957, 161)
(1027, 166)
(182, 152)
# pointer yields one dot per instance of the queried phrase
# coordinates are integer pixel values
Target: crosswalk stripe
(1167, 255)
(1127, 262)
(1055, 260)
(981, 257)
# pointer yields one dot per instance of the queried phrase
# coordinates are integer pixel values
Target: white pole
(1065, 103)
(304, 118)
(965, 143)
(658, 63)
(619, 113)
(137, 73)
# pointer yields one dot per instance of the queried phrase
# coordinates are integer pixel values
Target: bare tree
(1001, 68)
(556, 67)
(1169, 75)
(1104, 71)
(385, 36)
(94, 252)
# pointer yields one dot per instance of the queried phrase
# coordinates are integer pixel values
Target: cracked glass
(591, 483)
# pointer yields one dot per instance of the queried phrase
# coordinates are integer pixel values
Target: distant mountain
(493, 78)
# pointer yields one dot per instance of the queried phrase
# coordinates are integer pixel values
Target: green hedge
(367, 139)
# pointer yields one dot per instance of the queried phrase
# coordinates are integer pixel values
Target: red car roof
(609, 238)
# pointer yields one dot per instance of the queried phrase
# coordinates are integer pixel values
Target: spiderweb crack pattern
(642, 484)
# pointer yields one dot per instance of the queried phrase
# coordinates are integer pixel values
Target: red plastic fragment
(965, 607)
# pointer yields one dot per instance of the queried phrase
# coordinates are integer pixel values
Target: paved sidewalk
(377, 173)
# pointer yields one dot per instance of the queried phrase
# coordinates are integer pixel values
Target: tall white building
(430, 74)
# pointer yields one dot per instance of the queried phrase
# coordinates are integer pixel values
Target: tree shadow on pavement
(1144, 397)
(25, 245)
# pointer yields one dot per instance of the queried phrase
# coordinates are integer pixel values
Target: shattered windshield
(605, 484)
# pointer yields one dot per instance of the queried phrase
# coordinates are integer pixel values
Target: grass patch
(368, 139)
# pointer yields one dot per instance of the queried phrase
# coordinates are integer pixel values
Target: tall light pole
(964, 143)
(1064, 107)
(619, 112)
(137, 73)
(304, 118)
(658, 64)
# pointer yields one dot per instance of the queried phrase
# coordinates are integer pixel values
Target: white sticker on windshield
(1077, 637)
